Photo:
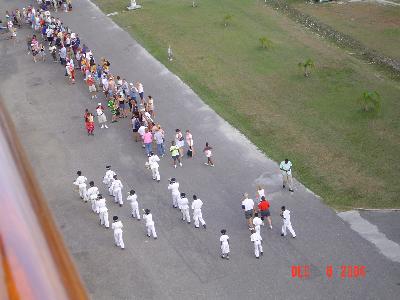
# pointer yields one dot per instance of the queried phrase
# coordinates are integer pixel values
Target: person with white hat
(101, 117)
(92, 87)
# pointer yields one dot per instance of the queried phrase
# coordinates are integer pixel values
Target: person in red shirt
(263, 207)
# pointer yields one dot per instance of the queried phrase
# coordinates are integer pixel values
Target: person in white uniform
(148, 218)
(286, 168)
(92, 193)
(132, 198)
(109, 175)
(117, 227)
(285, 214)
(153, 163)
(102, 210)
(257, 241)
(116, 188)
(80, 182)
(224, 239)
(197, 204)
(174, 187)
(257, 222)
(183, 205)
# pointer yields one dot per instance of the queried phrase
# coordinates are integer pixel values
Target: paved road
(183, 262)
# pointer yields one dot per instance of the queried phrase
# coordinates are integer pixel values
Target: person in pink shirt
(148, 141)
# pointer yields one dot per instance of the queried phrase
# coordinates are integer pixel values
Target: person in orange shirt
(263, 207)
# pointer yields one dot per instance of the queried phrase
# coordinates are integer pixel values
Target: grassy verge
(375, 25)
(346, 156)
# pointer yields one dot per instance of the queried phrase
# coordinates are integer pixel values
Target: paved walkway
(183, 262)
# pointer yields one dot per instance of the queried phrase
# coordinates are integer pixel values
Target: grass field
(375, 25)
(346, 156)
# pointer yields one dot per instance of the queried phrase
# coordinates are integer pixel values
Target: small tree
(307, 65)
(265, 42)
(370, 101)
(227, 19)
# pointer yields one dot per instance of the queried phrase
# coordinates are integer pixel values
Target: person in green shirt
(174, 149)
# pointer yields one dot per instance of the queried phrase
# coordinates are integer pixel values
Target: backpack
(137, 124)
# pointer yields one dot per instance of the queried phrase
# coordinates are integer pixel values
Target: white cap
(131, 83)
(99, 104)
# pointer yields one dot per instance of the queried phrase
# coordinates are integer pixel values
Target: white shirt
(92, 192)
(99, 111)
(257, 221)
(256, 237)
(101, 205)
(109, 174)
(153, 161)
(80, 180)
(197, 204)
(132, 198)
(140, 88)
(117, 226)
(248, 204)
(286, 167)
(117, 184)
(183, 203)
(286, 216)
(224, 238)
(149, 219)
(159, 137)
(174, 187)
(141, 130)
(261, 193)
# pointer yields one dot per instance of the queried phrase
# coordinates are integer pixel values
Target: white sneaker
(102, 126)
(180, 164)
(175, 166)
(106, 126)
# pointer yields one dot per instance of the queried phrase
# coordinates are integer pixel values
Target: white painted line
(371, 233)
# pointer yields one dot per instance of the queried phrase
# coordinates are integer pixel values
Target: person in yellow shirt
(174, 149)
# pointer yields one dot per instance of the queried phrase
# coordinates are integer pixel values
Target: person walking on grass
(208, 152)
(224, 240)
(175, 153)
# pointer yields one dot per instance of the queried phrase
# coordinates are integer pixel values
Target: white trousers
(225, 248)
(135, 210)
(175, 198)
(257, 228)
(288, 225)
(104, 219)
(185, 214)
(156, 173)
(83, 193)
(151, 230)
(118, 238)
(287, 180)
(258, 248)
(198, 216)
(110, 191)
(117, 193)
(93, 202)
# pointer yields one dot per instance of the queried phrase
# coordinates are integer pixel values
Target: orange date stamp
(331, 271)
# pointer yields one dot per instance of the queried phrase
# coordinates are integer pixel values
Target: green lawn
(346, 156)
(375, 25)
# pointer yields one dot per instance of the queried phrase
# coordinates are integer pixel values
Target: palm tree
(307, 65)
(265, 42)
(370, 101)
(227, 19)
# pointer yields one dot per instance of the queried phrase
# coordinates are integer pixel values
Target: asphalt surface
(184, 262)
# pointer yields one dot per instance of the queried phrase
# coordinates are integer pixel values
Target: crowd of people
(129, 100)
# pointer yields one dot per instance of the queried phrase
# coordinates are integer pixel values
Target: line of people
(118, 93)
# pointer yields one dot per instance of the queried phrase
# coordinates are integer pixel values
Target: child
(148, 217)
(183, 204)
(80, 182)
(257, 222)
(92, 193)
(102, 210)
(42, 52)
(224, 239)
(257, 240)
(132, 197)
(208, 153)
(117, 227)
